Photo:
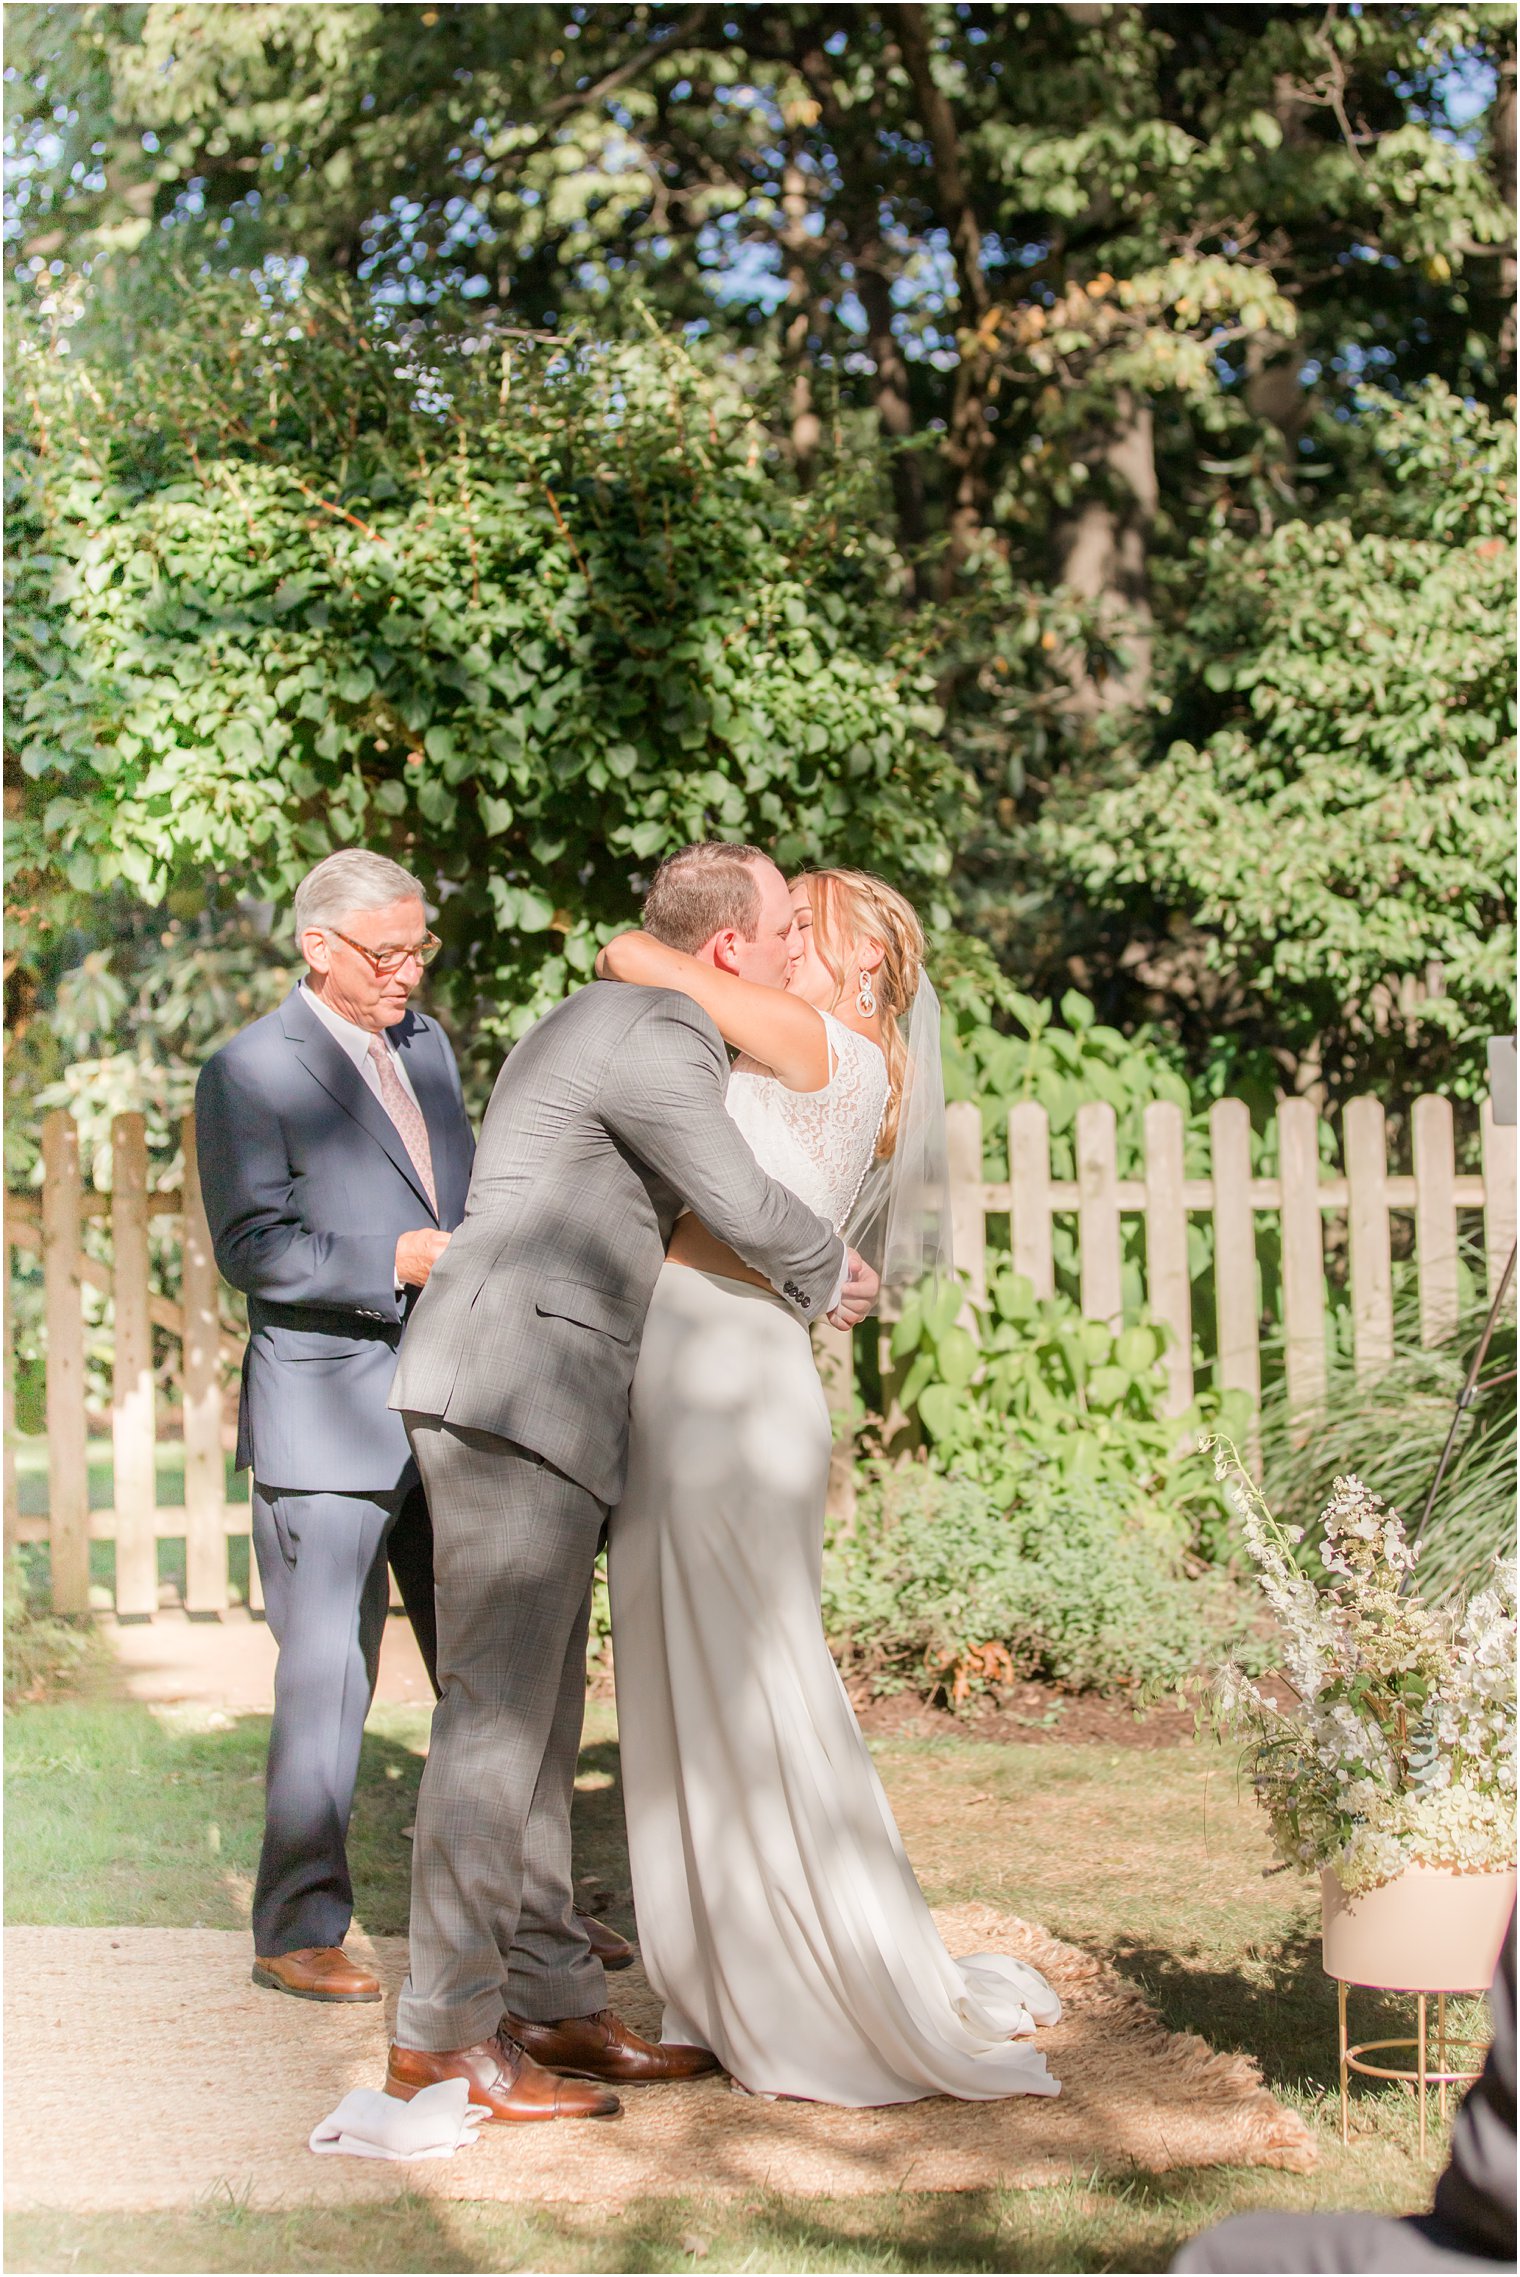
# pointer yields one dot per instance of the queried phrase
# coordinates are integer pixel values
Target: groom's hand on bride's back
(860, 1291)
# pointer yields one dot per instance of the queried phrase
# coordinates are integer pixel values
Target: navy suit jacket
(307, 1187)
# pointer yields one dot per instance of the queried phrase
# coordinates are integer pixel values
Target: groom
(607, 1120)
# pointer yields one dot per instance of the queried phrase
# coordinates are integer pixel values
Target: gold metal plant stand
(1422, 2078)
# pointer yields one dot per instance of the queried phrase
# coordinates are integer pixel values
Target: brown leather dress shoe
(602, 2047)
(317, 1972)
(613, 1951)
(503, 2077)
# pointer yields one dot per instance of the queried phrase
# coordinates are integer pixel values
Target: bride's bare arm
(778, 1030)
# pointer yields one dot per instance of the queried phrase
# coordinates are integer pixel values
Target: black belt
(325, 1321)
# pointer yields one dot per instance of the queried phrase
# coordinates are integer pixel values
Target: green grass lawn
(121, 1815)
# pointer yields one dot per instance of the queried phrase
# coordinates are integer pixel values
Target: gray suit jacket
(605, 1120)
(307, 1187)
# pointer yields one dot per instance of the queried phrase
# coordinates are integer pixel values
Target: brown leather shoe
(602, 2047)
(613, 1951)
(503, 2077)
(317, 1972)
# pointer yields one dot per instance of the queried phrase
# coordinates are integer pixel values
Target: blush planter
(1429, 1930)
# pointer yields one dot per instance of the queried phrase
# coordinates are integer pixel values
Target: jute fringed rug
(143, 2070)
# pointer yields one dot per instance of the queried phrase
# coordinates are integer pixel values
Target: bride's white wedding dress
(779, 1918)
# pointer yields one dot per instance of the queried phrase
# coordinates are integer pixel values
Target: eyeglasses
(386, 961)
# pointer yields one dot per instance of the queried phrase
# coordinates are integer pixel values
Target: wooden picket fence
(51, 1222)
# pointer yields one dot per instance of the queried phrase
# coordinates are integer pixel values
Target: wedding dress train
(779, 1918)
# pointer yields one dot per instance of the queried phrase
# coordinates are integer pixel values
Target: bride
(779, 1918)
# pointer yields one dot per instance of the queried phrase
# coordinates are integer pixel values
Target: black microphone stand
(1470, 1391)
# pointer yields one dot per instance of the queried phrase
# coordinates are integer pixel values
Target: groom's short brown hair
(704, 889)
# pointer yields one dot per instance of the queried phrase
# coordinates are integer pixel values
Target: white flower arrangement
(1399, 1747)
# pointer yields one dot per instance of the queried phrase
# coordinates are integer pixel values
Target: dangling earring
(865, 995)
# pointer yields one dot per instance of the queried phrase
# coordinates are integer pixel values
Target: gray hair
(353, 879)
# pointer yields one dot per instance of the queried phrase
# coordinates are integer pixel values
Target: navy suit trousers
(322, 1561)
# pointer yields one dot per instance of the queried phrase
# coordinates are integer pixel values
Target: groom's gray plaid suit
(514, 1378)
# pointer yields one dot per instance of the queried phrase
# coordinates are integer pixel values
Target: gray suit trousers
(1335, 2244)
(322, 1563)
(493, 1924)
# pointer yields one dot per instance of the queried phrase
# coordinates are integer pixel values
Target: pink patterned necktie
(405, 1113)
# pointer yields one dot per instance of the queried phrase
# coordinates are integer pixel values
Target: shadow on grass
(113, 1810)
(1076, 2226)
(1068, 2226)
(224, 2232)
(1277, 2005)
(117, 1816)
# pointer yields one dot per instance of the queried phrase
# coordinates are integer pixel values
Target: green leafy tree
(1315, 837)
(1086, 294)
(528, 620)
(1077, 239)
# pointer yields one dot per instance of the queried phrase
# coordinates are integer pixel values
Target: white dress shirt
(356, 1042)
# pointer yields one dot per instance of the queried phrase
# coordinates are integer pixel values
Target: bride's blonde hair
(850, 906)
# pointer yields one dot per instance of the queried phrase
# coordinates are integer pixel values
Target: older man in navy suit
(334, 1155)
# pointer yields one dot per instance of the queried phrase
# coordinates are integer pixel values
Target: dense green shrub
(1323, 798)
(1003, 1047)
(1033, 1390)
(1057, 1523)
(526, 619)
(941, 1588)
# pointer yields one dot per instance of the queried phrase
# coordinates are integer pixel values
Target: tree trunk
(967, 441)
(949, 177)
(796, 323)
(1102, 556)
(1504, 175)
(894, 411)
(853, 134)
(1273, 390)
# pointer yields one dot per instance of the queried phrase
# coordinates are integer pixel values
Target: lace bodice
(819, 1143)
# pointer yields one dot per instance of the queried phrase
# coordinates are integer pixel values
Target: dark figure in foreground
(1471, 2226)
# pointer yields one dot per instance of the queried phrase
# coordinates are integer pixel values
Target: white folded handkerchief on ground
(437, 2122)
